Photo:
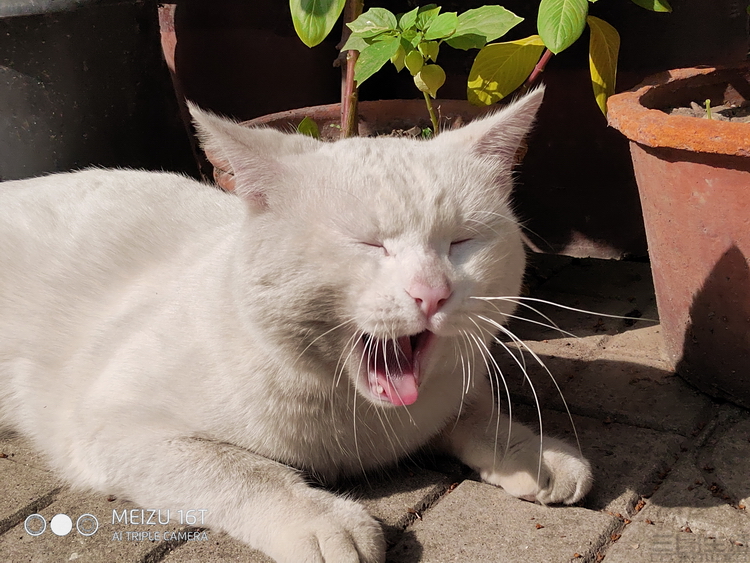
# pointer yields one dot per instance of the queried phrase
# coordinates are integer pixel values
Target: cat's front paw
(569, 475)
(324, 528)
(565, 476)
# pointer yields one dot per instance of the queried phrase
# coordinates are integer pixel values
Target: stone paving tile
(610, 388)
(398, 496)
(624, 470)
(478, 522)
(101, 545)
(26, 486)
(705, 488)
(643, 345)
(394, 497)
(644, 543)
(219, 548)
(729, 454)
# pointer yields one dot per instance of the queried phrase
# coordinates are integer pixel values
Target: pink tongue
(400, 390)
(397, 379)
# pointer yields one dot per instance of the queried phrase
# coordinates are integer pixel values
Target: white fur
(186, 348)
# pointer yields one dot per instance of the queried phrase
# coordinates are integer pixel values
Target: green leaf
(374, 57)
(500, 68)
(409, 19)
(373, 22)
(398, 58)
(442, 26)
(603, 48)
(430, 79)
(414, 61)
(412, 38)
(426, 15)
(314, 19)
(561, 22)
(429, 50)
(656, 5)
(308, 127)
(478, 27)
(355, 43)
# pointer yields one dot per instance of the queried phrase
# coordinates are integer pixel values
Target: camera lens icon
(35, 525)
(87, 525)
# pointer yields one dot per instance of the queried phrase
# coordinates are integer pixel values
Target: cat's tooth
(380, 389)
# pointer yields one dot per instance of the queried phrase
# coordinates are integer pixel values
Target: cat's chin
(391, 368)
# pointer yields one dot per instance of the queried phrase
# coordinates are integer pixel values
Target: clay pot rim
(654, 128)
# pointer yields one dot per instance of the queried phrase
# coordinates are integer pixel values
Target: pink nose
(430, 298)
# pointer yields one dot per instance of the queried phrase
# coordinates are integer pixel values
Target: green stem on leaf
(433, 115)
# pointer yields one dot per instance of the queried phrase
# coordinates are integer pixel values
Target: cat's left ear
(499, 136)
(253, 154)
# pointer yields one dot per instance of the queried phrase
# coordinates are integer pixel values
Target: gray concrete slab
(627, 462)
(727, 456)
(219, 548)
(478, 522)
(599, 379)
(92, 537)
(647, 543)
(695, 497)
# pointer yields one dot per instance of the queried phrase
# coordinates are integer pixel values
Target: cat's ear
(499, 136)
(254, 154)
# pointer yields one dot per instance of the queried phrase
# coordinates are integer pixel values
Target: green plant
(413, 40)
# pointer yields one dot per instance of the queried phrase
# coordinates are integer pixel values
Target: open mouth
(394, 366)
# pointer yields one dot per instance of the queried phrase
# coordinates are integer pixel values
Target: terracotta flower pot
(694, 182)
(375, 117)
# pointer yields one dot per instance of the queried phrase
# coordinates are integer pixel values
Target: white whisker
(495, 391)
(519, 301)
(521, 343)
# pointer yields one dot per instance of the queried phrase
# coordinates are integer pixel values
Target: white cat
(188, 348)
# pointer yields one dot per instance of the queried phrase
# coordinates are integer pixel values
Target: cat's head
(381, 247)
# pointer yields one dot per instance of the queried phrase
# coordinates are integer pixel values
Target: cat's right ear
(498, 136)
(253, 154)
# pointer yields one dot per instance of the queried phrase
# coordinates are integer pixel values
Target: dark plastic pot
(694, 182)
(83, 83)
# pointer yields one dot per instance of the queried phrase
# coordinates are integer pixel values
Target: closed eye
(457, 245)
(376, 245)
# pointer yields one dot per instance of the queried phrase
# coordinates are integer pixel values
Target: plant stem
(352, 11)
(349, 97)
(538, 70)
(433, 116)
